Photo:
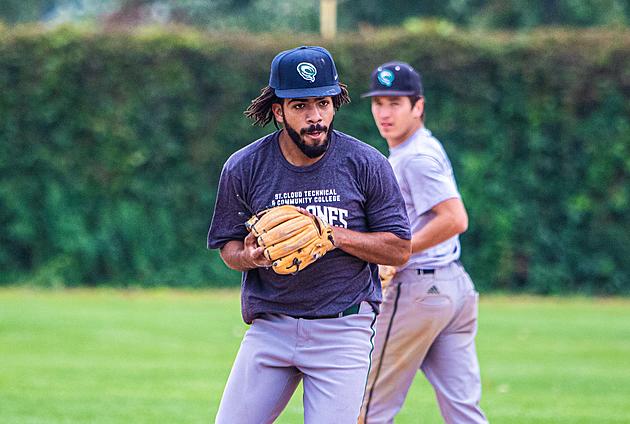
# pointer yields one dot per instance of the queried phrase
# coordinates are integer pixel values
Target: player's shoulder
(357, 148)
(250, 154)
(427, 144)
(423, 150)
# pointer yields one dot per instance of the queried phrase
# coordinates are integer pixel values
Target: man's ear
(278, 112)
(418, 108)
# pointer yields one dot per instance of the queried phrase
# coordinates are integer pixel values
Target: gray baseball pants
(427, 322)
(331, 356)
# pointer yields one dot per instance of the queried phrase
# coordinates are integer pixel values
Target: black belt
(425, 271)
(352, 310)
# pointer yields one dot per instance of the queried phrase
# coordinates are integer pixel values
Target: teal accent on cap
(386, 77)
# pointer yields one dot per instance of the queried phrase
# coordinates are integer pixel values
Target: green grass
(163, 356)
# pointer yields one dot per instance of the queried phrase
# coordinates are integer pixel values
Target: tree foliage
(111, 145)
(303, 16)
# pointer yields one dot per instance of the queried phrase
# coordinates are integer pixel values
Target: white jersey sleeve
(431, 182)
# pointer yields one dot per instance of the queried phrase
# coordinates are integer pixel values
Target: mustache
(314, 128)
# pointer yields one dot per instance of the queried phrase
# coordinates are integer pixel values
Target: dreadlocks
(260, 108)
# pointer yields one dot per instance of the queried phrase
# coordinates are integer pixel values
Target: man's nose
(314, 115)
(384, 112)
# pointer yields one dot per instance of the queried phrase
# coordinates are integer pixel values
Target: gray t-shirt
(426, 178)
(351, 186)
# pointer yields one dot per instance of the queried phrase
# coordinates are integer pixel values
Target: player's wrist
(339, 237)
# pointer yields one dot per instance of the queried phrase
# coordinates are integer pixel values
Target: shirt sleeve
(385, 207)
(430, 182)
(230, 212)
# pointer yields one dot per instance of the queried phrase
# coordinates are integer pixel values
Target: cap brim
(390, 93)
(298, 93)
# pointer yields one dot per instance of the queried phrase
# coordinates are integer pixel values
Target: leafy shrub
(111, 145)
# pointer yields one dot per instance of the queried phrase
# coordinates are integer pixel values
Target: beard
(311, 151)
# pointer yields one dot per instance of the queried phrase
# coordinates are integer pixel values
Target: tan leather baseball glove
(292, 238)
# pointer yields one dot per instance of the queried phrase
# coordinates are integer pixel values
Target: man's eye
(299, 106)
(324, 103)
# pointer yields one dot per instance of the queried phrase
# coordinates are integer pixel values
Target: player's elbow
(403, 259)
(402, 252)
(459, 220)
(461, 224)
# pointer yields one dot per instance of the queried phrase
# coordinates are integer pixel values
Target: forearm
(450, 219)
(244, 255)
(377, 248)
(232, 255)
(439, 229)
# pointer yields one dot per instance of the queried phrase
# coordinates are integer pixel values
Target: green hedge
(111, 145)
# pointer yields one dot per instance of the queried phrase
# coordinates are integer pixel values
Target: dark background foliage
(289, 15)
(111, 144)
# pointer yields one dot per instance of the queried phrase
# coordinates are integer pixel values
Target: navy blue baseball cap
(395, 79)
(306, 71)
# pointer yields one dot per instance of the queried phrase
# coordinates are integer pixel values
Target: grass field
(106, 356)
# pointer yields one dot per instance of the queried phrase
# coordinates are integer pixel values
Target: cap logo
(386, 77)
(307, 71)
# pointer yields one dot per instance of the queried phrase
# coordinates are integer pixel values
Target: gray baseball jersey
(426, 178)
(429, 314)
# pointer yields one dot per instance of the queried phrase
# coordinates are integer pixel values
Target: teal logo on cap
(307, 71)
(386, 77)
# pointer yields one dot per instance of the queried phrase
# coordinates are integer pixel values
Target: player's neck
(396, 141)
(292, 153)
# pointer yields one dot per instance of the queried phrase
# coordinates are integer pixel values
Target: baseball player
(316, 325)
(429, 313)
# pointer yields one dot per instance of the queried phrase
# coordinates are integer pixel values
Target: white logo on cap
(307, 71)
